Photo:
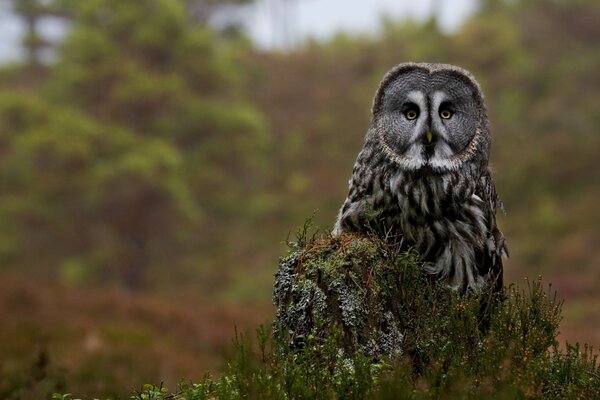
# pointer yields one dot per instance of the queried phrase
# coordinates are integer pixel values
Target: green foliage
(445, 352)
(151, 392)
(119, 162)
(64, 166)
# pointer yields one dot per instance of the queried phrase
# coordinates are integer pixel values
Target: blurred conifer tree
(140, 144)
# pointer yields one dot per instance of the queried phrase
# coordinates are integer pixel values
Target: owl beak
(429, 136)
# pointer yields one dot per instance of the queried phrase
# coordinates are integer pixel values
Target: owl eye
(445, 114)
(411, 114)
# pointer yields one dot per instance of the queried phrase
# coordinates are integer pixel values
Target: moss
(375, 291)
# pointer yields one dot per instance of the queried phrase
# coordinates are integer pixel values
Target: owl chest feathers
(446, 217)
(435, 209)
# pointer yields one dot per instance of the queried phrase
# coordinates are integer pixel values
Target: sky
(270, 26)
(321, 19)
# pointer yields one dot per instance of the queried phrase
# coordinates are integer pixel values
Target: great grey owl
(423, 175)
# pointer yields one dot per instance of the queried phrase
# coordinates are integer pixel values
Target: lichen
(349, 301)
(349, 282)
(390, 339)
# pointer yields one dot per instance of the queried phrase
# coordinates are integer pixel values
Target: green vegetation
(138, 125)
(440, 349)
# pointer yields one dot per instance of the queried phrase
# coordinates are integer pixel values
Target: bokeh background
(155, 155)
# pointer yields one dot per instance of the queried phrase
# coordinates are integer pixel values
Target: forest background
(152, 166)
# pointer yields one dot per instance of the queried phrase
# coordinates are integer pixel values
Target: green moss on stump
(346, 281)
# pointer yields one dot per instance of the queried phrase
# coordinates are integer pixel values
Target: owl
(422, 176)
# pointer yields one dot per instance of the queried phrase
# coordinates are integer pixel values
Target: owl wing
(489, 258)
(362, 187)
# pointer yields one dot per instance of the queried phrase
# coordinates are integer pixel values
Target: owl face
(428, 117)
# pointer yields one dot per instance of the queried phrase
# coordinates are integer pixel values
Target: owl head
(431, 117)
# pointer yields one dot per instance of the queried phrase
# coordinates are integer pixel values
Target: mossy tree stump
(376, 293)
